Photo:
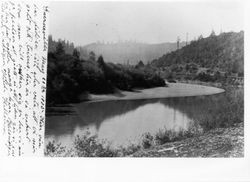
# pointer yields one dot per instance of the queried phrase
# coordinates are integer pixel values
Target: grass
(225, 112)
(165, 136)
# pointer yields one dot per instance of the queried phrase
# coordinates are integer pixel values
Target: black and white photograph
(145, 79)
(116, 90)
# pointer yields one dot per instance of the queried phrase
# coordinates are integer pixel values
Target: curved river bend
(121, 122)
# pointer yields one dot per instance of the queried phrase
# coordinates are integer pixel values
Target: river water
(124, 122)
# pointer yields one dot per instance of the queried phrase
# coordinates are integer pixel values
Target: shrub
(128, 150)
(147, 140)
(205, 77)
(57, 150)
(166, 135)
(89, 146)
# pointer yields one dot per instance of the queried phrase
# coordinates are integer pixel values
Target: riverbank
(219, 142)
(173, 90)
(221, 121)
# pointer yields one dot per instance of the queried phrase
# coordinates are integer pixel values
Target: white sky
(150, 22)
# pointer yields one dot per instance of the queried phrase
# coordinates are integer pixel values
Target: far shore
(172, 90)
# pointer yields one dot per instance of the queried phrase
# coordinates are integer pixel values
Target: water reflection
(121, 122)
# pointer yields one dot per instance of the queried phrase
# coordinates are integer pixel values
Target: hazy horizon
(144, 22)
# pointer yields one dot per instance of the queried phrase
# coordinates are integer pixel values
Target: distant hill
(224, 52)
(129, 52)
(122, 52)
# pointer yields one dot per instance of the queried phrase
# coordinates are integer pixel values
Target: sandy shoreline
(173, 90)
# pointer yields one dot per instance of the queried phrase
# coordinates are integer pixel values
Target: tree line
(69, 77)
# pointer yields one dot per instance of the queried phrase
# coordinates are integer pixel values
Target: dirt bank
(219, 142)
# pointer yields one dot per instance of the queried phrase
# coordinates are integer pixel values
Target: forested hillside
(224, 53)
(69, 76)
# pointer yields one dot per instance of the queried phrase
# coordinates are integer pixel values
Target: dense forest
(69, 76)
(223, 53)
(67, 46)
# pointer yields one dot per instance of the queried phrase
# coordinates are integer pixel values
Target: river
(122, 122)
